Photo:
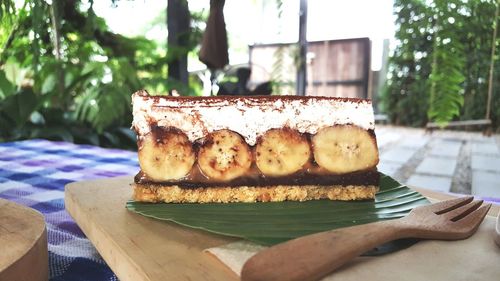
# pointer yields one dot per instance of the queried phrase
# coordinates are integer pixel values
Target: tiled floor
(464, 162)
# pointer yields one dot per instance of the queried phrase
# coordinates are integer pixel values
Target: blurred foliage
(82, 95)
(279, 55)
(280, 81)
(446, 78)
(440, 66)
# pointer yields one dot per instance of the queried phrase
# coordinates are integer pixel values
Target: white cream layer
(249, 117)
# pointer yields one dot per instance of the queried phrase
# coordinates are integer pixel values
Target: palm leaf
(271, 223)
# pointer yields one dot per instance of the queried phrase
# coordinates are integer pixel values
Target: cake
(250, 149)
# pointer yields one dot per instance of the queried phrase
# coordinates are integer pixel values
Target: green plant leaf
(19, 107)
(6, 87)
(14, 72)
(271, 223)
(53, 133)
(49, 83)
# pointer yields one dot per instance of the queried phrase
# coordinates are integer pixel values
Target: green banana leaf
(274, 222)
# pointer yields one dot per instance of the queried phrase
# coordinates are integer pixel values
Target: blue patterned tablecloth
(34, 172)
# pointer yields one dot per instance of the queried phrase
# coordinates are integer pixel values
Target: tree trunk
(301, 68)
(492, 62)
(178, 24)
(55, 13)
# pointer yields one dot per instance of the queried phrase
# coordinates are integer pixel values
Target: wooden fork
(314, 256)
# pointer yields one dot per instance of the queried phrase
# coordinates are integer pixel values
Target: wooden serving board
(23, 244)
(141, 248)
(136, 247)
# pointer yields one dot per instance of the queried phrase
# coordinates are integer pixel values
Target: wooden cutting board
(136, 247)
(23, 243)
(139, 248)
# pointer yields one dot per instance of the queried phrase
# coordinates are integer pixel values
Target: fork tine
(448, 205)
(475, 218)
(461, 212)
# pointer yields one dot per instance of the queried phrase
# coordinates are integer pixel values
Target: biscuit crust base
(156, 193)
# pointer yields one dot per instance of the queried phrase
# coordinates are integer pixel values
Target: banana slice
(281, 152)
(344, 149)
(224, 156)
(166, 155)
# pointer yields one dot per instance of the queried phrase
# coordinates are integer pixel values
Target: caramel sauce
(253, 177)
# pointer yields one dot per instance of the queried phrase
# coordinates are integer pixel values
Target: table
(34, 172)
(129, 242)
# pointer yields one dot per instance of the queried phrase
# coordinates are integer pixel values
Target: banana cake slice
(249, 149)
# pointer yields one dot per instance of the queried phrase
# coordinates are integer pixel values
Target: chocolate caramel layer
(368, 177)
